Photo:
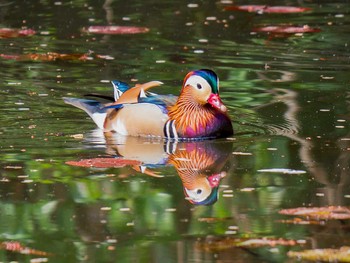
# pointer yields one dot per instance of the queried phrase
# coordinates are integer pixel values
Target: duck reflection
(200, 165)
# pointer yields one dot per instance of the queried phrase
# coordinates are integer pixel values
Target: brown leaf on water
(104, 162)
(53, 56)
(268, 9)
(319, 213)
(287, 29)
(15, 246)
(222, 244)
(49, 56)
(115, 30)
(327, 255)
(13, 32)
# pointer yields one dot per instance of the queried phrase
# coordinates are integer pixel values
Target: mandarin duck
(198, 112)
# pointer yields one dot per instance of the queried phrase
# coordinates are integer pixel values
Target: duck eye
(199, 86)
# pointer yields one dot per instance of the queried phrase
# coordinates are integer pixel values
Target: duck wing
(132, 95)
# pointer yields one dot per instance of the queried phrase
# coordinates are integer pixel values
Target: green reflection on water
(288, 98)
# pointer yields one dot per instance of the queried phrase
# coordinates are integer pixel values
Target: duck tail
(96, 110)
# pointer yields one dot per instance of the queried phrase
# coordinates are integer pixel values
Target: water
(288, 96)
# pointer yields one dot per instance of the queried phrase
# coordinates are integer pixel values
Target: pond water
(69, 193)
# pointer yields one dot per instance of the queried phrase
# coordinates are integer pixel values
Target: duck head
(203, 87)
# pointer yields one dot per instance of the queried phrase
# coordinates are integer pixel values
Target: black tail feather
(106, 97)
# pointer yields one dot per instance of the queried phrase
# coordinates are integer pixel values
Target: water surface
(287, 94)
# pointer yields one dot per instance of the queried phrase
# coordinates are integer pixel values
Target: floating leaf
(12, 32)
(268, 9)
(115, 30)
(53, 56)
(15, 246)
(215, 245)
(104, 162)
(49, 56)
(287, 29)
(282, 170)
(319, 213)
(328, 254)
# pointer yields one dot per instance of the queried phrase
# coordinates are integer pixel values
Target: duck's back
(141, 119)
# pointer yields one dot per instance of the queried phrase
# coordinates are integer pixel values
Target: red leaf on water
(286, 29)
(15, 246)
(104, 162)
(13, 32)
(268, 9)
(115, 30)
(319, 213)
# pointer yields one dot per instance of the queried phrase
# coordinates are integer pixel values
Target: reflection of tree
(332, 173)
(109, 11)
(334, 192)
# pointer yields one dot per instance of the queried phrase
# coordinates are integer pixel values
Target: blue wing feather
(117, 106)
(122, 86)
(119, 88)
(162, 101)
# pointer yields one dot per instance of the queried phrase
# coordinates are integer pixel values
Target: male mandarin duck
(198, 112)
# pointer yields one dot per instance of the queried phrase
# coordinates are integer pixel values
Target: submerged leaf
(328, 254)
(319, 213)
(103, 162)
(268, 9)
(287, 29)
(115, 30)
(13, 32)
(15, 246)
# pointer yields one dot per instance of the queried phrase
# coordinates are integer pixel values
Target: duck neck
(190, 117)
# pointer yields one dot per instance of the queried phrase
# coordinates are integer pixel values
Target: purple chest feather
(218, 126)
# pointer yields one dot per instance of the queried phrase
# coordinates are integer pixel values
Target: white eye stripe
(195, 80)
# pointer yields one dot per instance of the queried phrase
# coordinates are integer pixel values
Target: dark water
(288, 96)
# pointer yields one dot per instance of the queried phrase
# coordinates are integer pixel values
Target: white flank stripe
(174, 130)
